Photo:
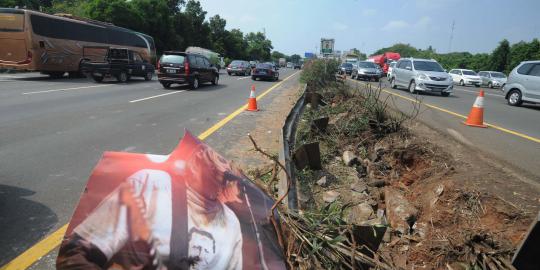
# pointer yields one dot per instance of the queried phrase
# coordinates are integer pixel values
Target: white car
(390, 68)
(465, 77)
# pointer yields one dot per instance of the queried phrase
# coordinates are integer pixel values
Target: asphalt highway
(53, 132)
(513, 135)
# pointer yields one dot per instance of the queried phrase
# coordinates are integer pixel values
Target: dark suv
(185, 68)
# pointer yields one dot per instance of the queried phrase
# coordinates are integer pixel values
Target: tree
(218, 34)
(277, 55)
(361, 56)
(258, 46)
(236, 45)
(29, 4)
(500, 57)
(117, 12)
(405, 50)
(191, 27)
(523, 51)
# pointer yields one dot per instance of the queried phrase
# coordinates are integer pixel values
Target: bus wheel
(122, 77)
(98, 78)
(56, 74)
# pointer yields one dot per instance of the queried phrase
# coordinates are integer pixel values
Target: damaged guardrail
(286, 140)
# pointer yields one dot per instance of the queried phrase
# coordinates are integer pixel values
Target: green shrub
(319, 72)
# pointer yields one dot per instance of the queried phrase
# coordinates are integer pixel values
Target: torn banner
(188, 210)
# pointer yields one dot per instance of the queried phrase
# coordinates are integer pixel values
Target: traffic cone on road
(252, 101)
(476, 116)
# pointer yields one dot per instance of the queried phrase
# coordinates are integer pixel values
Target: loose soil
(472, 209)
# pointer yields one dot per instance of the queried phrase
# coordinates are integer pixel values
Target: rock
(376, 183)
(322, 182)
(349, 158)
(359, 196)
(330, 196)
(359, 186)
(361, 170)
(387, 237)
(360, 213)
(420, 229)
(401, 214)
(303, 198)
(378, 152)
(337, 118)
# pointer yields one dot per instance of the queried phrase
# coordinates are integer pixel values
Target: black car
(346, 68)
(240, 67)
(297, 66)
(265, 71)
(186, 68)
(119, 63)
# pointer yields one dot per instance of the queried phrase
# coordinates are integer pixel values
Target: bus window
(11, 21)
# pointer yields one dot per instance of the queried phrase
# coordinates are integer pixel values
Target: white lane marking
(64, 89)
(156, 96)
(243, 78)
(475, 92)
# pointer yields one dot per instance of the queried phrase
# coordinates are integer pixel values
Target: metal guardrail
(286, 141)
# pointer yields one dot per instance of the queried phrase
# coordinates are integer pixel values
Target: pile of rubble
(383, 176)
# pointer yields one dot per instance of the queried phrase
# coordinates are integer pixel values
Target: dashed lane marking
(156, 96)
(64, 89)
(43, 247)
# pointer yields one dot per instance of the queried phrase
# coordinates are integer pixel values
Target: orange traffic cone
(476, 116)
(252, 101)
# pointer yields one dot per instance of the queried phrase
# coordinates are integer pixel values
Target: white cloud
(423, 22)
(395, 25)
(339, 26)
(369, 12)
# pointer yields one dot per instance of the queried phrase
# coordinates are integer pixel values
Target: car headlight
(423, 77)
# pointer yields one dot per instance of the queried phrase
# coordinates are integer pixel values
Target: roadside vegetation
(504, 57)
(387, 198)
(174, 25)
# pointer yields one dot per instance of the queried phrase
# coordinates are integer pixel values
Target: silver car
(523, 84)
(366, 70)
(492, 79)
(421, 75)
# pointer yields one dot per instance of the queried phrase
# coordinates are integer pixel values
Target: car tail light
(158, 65)
(28, 58)
(186, 67)
(229, 66)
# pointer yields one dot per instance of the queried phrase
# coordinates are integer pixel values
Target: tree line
(503, 58)
(174, 24)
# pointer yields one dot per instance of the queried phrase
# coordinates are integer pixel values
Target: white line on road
(476, 92)
(147, 98)
(243, 78)
(64, 89)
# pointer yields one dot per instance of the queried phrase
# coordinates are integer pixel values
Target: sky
(297, 26)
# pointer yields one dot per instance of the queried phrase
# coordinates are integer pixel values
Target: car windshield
(469, 72)
(237, 63)
(497, 75)
(172, 58)
(264, 66)
(346, 65)
(366, 65)
(427, 66)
